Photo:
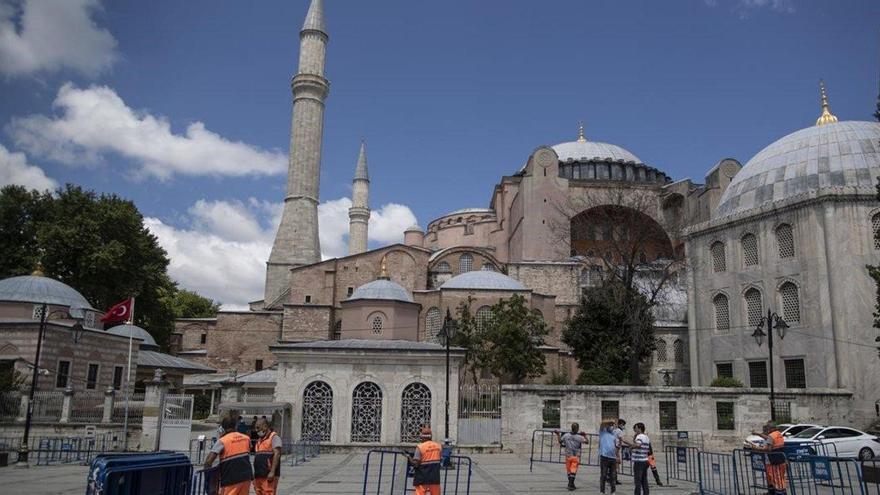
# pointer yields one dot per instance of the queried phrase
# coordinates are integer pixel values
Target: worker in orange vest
(267, 459)
(777, 465)
(426, 462)
(233, 448)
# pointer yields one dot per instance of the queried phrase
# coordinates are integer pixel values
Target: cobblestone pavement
(344, 474)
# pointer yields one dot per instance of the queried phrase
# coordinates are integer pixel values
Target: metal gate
(479, 414)
(176, 426)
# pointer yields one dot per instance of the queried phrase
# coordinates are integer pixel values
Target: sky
(185, 107)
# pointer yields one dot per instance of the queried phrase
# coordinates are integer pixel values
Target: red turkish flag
(120, 312)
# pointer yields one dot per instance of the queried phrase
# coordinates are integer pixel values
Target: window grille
(366, 413)
(758, 374)
(317, 411)
(719, 262)
(783, 411)
(750, 250)
(678, 350)
(62, 376)
(337, 330)
(610, 409)
(668, 415)
(724, 370)
(433, 324)
(875, 224)
(443, 267)
(376, 324)
(117, 377)
(724, 415)
(465, 263)
(785, 241)
(550, 414)
(38, 311)
(661, 351)
(484, 314)
(89, 319)
(722, 312)
(754, 307)
(795, 374)
(415, 411)
(791, 309)
(92, 377)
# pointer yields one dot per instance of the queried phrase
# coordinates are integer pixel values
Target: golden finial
(383, 268)
(581, 138)
(38, 271)
(827, 117)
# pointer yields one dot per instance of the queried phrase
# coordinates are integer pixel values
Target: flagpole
(126, 393)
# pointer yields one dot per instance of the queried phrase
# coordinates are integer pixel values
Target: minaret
(827, 117)
(296, 242)
(359, 213)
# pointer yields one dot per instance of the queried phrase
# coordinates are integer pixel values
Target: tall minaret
(359, 213)
(296, 242)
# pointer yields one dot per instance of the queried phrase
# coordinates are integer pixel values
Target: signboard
(91, 430)
(681, 455)
(716, 468)
(757, 462)
(682, 435)
(821, 469)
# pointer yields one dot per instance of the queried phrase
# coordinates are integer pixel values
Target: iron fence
(48, 406)
(68, 449)
(479, 414)
(135, 408)
(304, 449)
(87, 407)
(10, 405)
(387, 472)
(716, 474)
(682, 463)
(682, 438)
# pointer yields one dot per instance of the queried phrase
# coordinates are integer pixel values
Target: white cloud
(14, 169)
(222, 252)
(48, 35)
(745, 7)
(94, 122)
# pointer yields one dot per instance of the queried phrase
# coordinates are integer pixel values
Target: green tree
(470, 339)
(725, 381)
(611, 333)
(188, 304)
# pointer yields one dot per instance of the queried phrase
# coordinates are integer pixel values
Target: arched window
(661, 351)
(875, 229)
(443, 267)
(750, 250)
(465, 263)
(415, 411)
(433, 322)
(317, 411)
(791, 307)
(722, 312)
(483, 315)
(337, 330)
(785, 241)
(678, 351)
(719, 262)
(754, 306)
(366, 413)
(376, 324)
(488, 268)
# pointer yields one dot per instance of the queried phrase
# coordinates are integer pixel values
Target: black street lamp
(76, 332)
(446, 336)
(772, 320)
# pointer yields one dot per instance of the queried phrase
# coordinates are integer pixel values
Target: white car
(848, 441)
(788, 430)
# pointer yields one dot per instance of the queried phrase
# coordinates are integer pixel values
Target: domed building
(791, 237)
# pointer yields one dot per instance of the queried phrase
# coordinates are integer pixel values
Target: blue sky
(449, 96)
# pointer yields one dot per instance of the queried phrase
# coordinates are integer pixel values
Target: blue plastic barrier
(387, 472)
(682, 464)
(139, 474)
(822, 475)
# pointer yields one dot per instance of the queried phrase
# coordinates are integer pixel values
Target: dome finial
(383, 268)
(827, 117)
(38, 270)
(581, 138)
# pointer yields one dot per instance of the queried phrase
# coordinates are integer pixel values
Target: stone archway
(619, 231)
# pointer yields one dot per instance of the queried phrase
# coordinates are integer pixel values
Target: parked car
(849, 442)
(788, 430)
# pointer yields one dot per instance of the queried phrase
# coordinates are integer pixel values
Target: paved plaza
(344, 473)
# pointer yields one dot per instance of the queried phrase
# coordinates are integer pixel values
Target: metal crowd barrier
(302, 450)
(682, 438)
(205, 482)
(716, 474)
(870, 474)
(125, 474)
(824, 475)
(65, 450)
(682, 464)
(546, 448)
(387, 472)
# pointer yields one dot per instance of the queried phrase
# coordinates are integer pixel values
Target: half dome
(39, 289)
(136, 332)
(483, 279)
(593, 150)
(382, 289)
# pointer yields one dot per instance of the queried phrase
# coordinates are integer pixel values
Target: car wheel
(866, 454)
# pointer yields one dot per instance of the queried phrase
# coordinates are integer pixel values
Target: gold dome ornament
(827, 117)
(581, 137)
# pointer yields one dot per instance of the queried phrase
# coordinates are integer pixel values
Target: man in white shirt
(641, 447)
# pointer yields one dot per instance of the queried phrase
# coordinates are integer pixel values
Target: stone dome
(136, 332)
(381, 289)
(842, 156)
(415, 228)
(583, 150)
(39, 289)
(483, 279)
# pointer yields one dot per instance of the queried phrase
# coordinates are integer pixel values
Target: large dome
(137, 333)
(483, 279)
(830, 156)
(39, 289)
(592, 150)
(381, 289)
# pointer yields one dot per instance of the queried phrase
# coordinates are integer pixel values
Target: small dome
(415, 228)
(137, 333)
(483, 279)
(38, 289)
(383, 289)
(589, 150)
(832, 155)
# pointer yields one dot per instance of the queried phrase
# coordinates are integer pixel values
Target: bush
(726, 381)
(558, 378)
(597, 376)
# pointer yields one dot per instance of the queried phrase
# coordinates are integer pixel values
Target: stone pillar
(232, 392)
(154, 401)
(65, 405)
(23, 408)
(109, 396)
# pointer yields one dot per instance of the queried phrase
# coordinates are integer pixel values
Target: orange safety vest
(428, 470)
(263, 454)
(235, 462)
(776, 455)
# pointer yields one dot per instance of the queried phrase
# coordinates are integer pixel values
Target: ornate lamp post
(446, 336)
(771, 321)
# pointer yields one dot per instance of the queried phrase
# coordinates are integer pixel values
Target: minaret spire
(359, 213)
(296, 242)
(827, 117)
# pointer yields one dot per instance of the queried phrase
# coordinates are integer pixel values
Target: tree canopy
(97, 244)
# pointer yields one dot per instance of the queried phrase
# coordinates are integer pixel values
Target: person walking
(571, 443)
(608, 447)
(639, 448)
(233, 449)
(426, 464)
(776, 465)
(267, 459)
(619, 433)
